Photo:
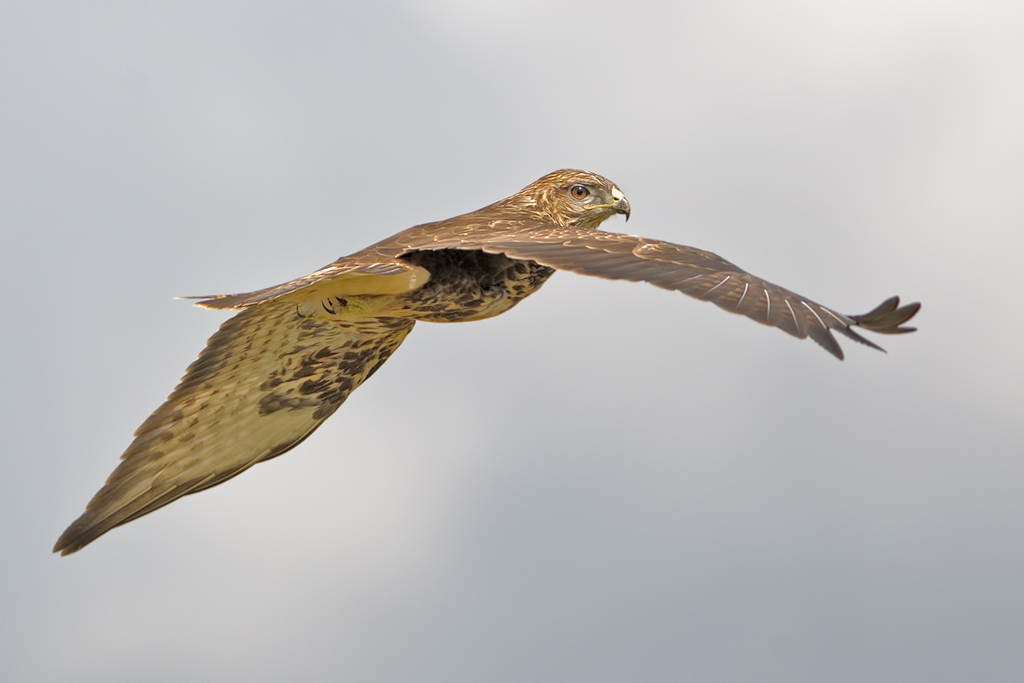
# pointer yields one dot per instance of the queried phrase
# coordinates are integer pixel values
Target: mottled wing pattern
(695, 272)
(265, 381)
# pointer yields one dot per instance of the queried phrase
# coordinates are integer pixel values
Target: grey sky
(610, 482)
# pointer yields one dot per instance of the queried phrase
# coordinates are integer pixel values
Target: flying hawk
(273, 373)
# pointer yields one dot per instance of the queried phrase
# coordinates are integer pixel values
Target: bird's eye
(578, 191)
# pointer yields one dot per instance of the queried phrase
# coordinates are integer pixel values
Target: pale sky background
(609, 483)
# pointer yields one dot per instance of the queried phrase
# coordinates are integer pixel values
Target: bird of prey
(274, 372)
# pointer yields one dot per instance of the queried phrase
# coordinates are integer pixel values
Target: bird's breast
(470, 285)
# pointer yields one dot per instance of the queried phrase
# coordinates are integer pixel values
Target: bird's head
(572, 198)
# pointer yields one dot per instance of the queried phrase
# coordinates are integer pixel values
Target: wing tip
(217, 302)
(885, 318)
(888, 317)
(80, 534)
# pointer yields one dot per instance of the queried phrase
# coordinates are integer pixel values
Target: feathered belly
(470, 285)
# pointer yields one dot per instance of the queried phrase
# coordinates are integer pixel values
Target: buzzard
(292, 355)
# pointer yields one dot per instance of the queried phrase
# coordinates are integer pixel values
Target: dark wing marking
(695, 272)
(265, 381)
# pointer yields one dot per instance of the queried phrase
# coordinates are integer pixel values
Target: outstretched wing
(698, 273)
(265, 381)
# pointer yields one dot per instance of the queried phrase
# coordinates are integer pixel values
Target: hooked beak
(621, 204)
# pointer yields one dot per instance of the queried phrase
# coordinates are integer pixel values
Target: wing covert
(344, 276)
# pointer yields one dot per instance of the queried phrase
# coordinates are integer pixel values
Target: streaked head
(571, 198)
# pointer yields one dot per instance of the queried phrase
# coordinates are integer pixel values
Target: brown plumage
(274, 372)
